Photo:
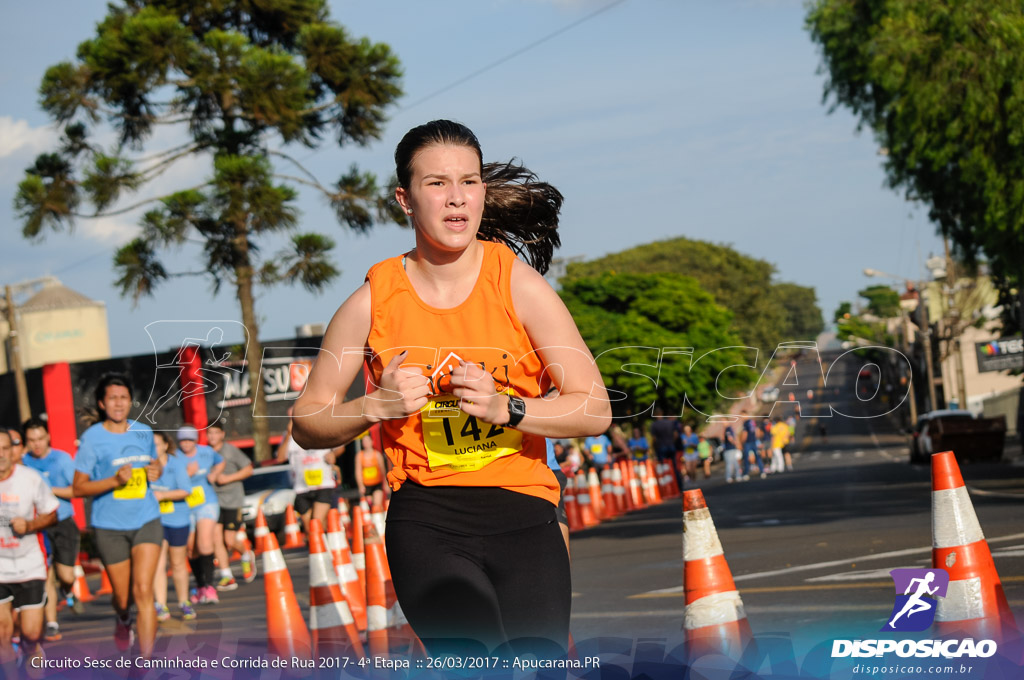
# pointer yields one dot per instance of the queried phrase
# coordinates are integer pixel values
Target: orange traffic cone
(652, 482)
(714, 620)
(975, 602)
(594, 487)
(346, 518)
(583, 500)
(287, 634)
(635, 490)
(572, 510)
(618, 490)
(105, 587)
(358, 549)
(261, 531)
(376, 596)
(293, 537)
(348, 579)
(80, 588)
(608, 493)
(377, 516)
(330, 619)
(627, 492)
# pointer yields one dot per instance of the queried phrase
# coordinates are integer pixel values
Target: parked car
(921, 436)
(269, 487)
(770, 394)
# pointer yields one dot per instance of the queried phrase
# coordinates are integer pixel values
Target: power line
(512, 55)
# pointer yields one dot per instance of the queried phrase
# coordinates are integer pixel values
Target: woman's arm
(321, 418)
(581, 407)
(173, 495)
(83, 485)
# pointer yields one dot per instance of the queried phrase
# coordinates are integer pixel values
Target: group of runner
(152, 502)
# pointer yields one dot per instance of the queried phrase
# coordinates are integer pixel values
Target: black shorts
(24, 595)
(371, 488)
(305, 501)
(560, 511)
(231, 518)
(65, 540)
(115, 545)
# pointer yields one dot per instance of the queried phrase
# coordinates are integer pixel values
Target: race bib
(371, 475)
(166, 507)
(457, 441)
(313, 477)
(196, 497)
(135, 488)
(596, 448)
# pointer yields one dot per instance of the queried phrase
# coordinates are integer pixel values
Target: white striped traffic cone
(330, 619)
(715, 621)
(975, 602)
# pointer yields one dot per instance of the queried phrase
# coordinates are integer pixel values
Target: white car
(770, 394)
(270, 488)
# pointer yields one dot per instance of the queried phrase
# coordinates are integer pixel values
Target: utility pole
(906, 353)
(14, 352)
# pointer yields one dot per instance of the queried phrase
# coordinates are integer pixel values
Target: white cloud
(108, 229)
(18, 137)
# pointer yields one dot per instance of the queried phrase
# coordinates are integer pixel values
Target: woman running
(171, 490)
(117, 464)
(370, 471)
(312, 477)
(463, 340)
(203, 466)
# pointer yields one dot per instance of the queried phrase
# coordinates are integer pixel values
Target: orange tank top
(372, 473)
(441, 445)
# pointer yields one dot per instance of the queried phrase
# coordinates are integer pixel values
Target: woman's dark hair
(519, 210)
(171, 446)
(106, 381)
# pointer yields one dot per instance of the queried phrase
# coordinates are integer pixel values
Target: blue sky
(655, 118)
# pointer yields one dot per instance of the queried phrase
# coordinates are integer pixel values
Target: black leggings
(460, 592)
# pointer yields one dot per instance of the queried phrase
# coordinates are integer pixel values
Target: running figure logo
(916, 594)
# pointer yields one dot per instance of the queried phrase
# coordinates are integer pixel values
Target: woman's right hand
(402, 392)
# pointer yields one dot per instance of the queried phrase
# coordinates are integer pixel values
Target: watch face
(517, 406)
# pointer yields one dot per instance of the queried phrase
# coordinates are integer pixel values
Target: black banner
(1000, 355)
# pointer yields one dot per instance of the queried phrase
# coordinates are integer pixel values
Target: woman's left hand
(479, 395)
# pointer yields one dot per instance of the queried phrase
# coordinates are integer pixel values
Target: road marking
(835, 454)
(994, 494)
(861, 558)
(670, 592)
(858, 454)
(855, 575)
(677, 591)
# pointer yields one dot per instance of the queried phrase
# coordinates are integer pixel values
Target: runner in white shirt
(312, 477)
(26, 507)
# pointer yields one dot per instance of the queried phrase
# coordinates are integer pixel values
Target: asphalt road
(810, 549)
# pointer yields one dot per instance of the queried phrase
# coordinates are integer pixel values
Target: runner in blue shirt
(171, 490)
(598, 449)
(116, 464)
(203, 466)
(58, 471)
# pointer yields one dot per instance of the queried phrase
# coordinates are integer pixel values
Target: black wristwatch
(516, 410)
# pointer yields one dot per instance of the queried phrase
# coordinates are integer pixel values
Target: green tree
(241, 80)
(802, 314)
(629, 319)
(941, 86)
(740, 283)
(843, 311)
(883, 301)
